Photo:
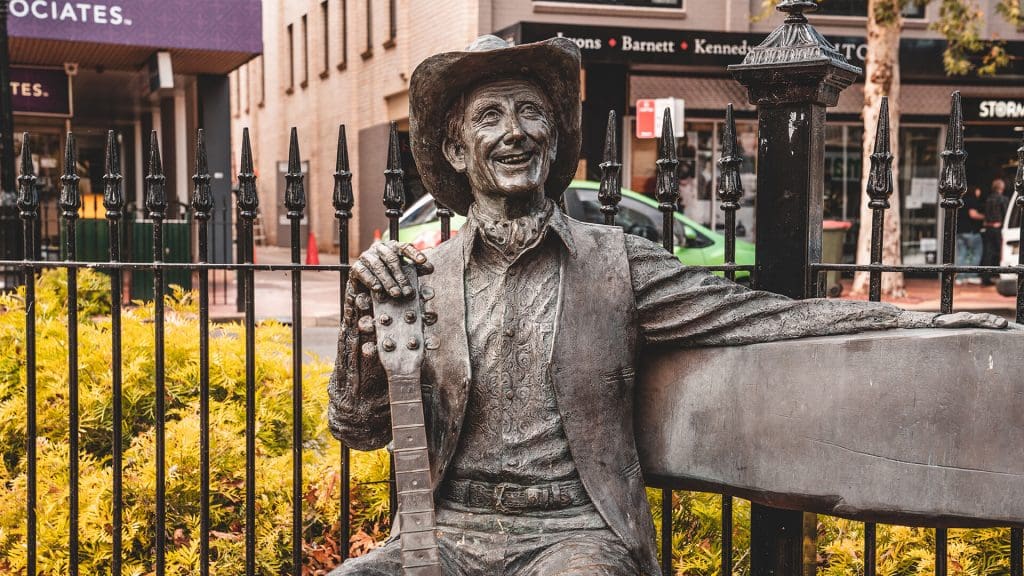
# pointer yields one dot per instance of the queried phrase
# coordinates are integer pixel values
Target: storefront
(623, 66)
(131, 67)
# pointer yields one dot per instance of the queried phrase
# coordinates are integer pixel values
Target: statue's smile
(515, 159)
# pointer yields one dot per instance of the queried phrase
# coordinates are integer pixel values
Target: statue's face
(507, 139)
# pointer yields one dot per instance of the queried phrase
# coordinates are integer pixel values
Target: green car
(638, 214)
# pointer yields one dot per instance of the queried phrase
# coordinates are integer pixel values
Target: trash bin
(833, 236)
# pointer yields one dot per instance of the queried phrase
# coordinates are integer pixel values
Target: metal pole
(790, 189)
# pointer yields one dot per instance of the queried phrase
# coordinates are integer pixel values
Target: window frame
(392, 24)
(291, 60)
(305, 51)
(368, 52)
(343, 63)
(325, 16)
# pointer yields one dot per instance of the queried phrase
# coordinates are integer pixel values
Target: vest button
(426, 292)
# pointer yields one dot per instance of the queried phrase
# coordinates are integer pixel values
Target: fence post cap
(795, 50)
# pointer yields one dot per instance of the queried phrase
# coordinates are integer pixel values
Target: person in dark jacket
(996, 205)
(534, 324)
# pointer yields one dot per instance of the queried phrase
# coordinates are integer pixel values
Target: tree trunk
(882, 78)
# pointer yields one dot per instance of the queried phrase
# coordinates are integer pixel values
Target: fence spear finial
(880, 178)
(295, 190)
(610, 193)
(28, 196)
(953, 179)
(394, 187)
(248, 200)
(70, 199)
(668, 181)
(730, 187)
(156, 197)
(342, 198)
(113, 196)
(202, 195)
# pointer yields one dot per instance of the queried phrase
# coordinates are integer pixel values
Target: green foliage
(696, 518)
(321, 455)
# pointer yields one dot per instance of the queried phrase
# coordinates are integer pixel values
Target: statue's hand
(379, 269)
(970, 320)
(911, 319)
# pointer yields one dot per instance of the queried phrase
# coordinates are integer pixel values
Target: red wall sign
(645, 119)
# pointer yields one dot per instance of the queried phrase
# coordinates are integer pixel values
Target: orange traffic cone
(312, 253)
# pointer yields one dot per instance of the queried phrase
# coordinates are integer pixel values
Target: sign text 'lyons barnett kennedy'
(222, 25)
(921, 58)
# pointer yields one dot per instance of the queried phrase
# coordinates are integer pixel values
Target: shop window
(291, 60)
(860, 8)
(919, 160)
(843, 171)
(698, 152)
(392, 23)
(325, 23)
(343, 39)
(637, 3)
(305, 51)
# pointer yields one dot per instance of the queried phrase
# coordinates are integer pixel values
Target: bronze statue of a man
(534, 326)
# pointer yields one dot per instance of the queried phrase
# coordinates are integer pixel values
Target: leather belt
(513, 498)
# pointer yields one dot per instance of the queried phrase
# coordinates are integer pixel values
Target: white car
(1007, 285)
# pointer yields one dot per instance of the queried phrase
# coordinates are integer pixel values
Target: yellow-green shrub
(321, 455)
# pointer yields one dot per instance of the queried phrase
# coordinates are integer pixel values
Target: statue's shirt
(512, 430)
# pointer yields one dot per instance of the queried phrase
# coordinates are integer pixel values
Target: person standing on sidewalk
(992, 234)
(968, 235)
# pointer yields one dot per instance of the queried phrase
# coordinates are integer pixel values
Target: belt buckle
(499, 495)
(537, 498)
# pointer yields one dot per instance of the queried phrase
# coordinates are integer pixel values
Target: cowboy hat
(553, 65)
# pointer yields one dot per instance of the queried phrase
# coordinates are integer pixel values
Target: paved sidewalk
(321, 294)
(924, 294)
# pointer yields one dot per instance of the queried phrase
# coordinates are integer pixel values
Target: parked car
(1007, 284)
(638, 214)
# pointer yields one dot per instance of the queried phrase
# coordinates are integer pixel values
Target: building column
(181, 168)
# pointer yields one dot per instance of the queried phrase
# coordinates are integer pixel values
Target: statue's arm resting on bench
(684, 306)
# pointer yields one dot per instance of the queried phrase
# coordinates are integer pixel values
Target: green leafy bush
(696, 516)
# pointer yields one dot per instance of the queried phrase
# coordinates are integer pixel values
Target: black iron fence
(952, 187)
(775, 531)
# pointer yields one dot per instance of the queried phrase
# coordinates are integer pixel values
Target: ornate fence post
(792, 77)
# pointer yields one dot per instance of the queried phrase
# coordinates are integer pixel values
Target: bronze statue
(533, 324)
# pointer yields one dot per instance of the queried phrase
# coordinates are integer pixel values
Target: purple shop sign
(40, 91)
(219, 25)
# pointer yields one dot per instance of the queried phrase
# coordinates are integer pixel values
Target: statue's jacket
(619, 295)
